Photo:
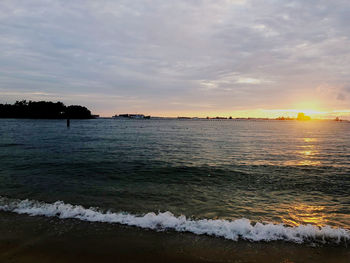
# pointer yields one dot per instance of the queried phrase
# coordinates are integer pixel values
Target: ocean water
(251, 180)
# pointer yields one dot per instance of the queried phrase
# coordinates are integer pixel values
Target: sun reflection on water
(310, 139)
(306, 214)
(308, 163)
(307, 153)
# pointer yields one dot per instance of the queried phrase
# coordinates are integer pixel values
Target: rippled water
(267, 171)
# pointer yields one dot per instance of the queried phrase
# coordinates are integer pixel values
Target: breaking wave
(233, 230)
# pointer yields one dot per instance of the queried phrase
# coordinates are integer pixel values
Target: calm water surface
(268, 171)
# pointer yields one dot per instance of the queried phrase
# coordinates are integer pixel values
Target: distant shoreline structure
(131, 116)
(300, 117)
(187, 118)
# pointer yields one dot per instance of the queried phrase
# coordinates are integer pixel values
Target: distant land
(300, 117)
(57, 110)
(44, 110)
(218, 118)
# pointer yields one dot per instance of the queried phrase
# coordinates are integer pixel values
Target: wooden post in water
(68, 123)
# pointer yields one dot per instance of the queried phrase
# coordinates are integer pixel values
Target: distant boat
(131, 116)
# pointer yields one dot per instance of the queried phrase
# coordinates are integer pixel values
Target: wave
(233, 230)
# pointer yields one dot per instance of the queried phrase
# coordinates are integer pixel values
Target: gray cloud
(165, 56)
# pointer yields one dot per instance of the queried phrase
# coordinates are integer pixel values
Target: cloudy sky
(179, 57)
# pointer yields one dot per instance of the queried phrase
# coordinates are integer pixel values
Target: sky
(240, 58)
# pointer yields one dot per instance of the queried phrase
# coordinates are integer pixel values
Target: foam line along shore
(233, 230)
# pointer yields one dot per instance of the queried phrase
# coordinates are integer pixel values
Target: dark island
(43, 110)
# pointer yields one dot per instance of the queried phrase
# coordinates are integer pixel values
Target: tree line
(43, 110)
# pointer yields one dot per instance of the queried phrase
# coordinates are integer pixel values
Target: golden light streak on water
(310, 139)
(307, 154)
(306, 214)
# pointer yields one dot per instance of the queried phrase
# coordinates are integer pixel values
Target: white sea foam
(233, 230)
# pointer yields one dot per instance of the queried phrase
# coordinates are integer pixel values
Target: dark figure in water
(68, 123)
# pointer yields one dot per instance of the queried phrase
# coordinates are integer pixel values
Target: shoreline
(237, 229)
(40, 239)
(186, 119)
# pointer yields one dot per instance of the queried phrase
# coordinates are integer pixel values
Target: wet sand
(39, 239)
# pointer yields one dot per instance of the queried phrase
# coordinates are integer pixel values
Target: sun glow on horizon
(314, 109)
(311, 108)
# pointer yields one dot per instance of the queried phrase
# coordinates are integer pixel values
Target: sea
(235, 180)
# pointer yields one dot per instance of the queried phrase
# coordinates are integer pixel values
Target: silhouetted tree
(77, 112)
(43, 110)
